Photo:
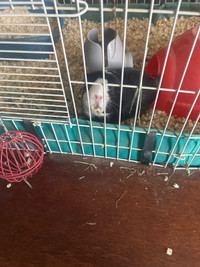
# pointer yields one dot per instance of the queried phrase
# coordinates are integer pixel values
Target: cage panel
(47, 87)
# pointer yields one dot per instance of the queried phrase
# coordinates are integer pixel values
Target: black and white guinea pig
(112, 94)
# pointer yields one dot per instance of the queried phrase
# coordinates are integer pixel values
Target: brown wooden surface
(103, 219)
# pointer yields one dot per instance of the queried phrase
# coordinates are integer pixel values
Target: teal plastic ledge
(60, 142)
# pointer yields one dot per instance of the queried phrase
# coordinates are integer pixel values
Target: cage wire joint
(80, 13)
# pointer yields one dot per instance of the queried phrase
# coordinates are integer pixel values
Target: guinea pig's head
(96, 98)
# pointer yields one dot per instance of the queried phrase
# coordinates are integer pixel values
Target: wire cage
(44, 68)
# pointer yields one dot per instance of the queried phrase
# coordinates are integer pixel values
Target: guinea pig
(112, 94)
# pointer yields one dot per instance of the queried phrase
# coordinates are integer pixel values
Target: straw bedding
(27, 24)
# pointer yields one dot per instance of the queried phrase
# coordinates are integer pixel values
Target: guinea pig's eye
(98, 97)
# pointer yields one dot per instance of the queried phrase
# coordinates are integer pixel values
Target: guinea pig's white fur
(96, 90)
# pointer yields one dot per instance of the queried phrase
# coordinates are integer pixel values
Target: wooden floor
(103, 216)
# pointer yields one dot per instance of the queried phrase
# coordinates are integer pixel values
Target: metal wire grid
(31, 81)
(58, 139)
(157, 2)
(68, 144)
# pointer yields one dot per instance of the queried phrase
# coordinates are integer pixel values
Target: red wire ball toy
(21, 155)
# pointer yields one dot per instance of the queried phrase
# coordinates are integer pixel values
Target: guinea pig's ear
(92, 77)
(89, 77)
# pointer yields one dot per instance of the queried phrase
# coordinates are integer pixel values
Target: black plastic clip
(148, 147)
